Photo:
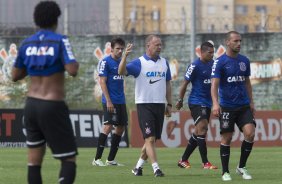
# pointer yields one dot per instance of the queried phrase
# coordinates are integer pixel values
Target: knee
(249, 136)
(150, 140)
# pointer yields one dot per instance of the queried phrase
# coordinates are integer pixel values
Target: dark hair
(228, 35)
(206, 45)
(117, 41)
(46, 14)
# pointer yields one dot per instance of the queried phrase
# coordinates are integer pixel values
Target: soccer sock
(140, 163)
(101, 145)
(67, 173)
(201, 139)
(246, 149)
(34, 174)
(192, 144)
(155, 166)
(114, 146)
(225, 155)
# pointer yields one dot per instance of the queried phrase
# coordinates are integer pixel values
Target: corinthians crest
(242, 66)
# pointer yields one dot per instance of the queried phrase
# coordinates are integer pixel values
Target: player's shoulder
(243, 58)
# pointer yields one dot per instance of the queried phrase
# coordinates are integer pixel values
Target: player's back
(44, 55)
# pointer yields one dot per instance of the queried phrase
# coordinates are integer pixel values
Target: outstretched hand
(128, 49)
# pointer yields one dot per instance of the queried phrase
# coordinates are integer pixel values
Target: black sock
(67, 173)
(101, 145)
(201, 139)
(114, 146)
(246, 149)
(225, 155)
(192, 144)
(34, 174)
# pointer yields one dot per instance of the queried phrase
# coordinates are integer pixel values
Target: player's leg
(138, 170)
(191, 146)
(119, 129)
(35, 159)
(68, 170)
(60, 137)
(247, 126)
(192, 143)
(107, 128)
(226, 129)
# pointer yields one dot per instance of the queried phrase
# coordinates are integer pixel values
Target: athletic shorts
(118, 118)
(151, 119)
(231, 116)
(199, 112)
(48, 121)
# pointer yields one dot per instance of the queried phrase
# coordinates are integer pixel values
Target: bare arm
(250, 93)
(122, 64)
(183, 87)
(168, 99)
(103, 84)
(18, 74)
(72, 68)
(214, 95)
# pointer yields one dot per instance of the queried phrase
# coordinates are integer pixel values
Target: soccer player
(231, 82)
(113, 101)
(152, 91)
(44, 57)
(199, 101)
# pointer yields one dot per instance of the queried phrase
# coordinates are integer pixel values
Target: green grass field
(264, 165)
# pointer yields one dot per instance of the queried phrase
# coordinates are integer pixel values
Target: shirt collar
(148, 58)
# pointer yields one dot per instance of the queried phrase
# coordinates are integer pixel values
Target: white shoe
(113, 163)
(226, 177)
(98, 162)
(244, 172)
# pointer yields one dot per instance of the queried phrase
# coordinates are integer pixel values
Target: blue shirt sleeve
(134, 68)
(216, 68)
(168, 73)
(103, 68)
(67, 53)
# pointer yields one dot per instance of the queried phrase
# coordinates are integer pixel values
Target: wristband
(169, 105)
(180, 100)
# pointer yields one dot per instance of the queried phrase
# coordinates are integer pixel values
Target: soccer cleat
(226, 177)
(158, 173)
(137, 171)
(98, 162)
(113, 163)
(244, 172)
(184, 164)
(208, 165)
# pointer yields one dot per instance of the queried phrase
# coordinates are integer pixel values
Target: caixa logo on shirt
(40, 51)
(118, 77)
(155, 74)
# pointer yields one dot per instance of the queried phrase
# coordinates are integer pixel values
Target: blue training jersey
(232, 73)
(199, 74)
(44, 53)
(108, 67)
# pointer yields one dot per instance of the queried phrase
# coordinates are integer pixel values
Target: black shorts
(231, 116)
(48, 121)
(151, 119)
(118, 118)
(199, 112)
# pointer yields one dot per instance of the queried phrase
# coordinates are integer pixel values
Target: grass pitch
(264, 164)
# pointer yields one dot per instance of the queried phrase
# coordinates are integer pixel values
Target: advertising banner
(87, 125)
(178, 129)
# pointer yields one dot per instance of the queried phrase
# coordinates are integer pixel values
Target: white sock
(140, 163)
(155, 166)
